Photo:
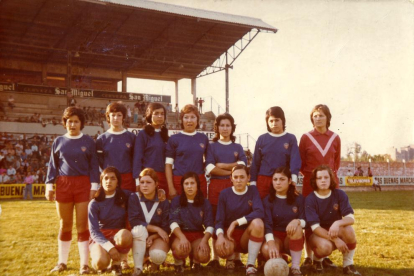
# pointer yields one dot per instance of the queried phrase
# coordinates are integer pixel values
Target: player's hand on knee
(114, 254)
(341, 245)
(333, 231)
(273, 251)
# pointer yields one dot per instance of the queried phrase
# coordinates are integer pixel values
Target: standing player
(150, 144)
(73, 166)
(222, 155)
(191, 223)
(284, 220)
(107, 222)
(317, 147)
(186, 150)
(331, 217)
(239, 224)
(115, 147)
(274, 149)
(148, 216)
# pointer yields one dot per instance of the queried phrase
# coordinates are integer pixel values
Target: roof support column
(124, 82)
(227, 86)
(176, 91)
(69, 71)
(194, 89)
(44, 74)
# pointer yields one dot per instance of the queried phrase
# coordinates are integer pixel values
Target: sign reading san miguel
(83, 93)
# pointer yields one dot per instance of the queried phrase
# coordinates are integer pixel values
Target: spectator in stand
(10, 160)
(4, 179)
(136, 113)
(11, 171)
(41, 176)
(11, 103)
(128, 116)
(200, 105)
(18, 179)
(359, 172)
(3, 169)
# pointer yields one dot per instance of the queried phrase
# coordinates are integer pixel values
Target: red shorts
(109, 235)
(215, 187)
(263, 185)
(190, 236)
(128, 182)
(237, 235)
(162, 182)
(73, 189)
(280, 235)
(203, 183)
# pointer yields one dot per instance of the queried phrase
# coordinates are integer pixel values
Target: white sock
(138, 253)
(237, 256)
(178, 261)
(63, 251)
(348, 258)
(83, 252)
(296, 255)
(253, 249)
(124, 257)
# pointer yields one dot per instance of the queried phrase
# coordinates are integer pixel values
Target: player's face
(73, 125)
(239, 179)
(281, 183)
(109, 183)
(147, 186)
(190, 187)
(158, 117)
(275, 125)
(224, 128)
(323, 180)
(190, 122)
(115, 119)
(319, 118)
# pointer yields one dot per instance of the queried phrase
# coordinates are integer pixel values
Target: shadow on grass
(387, 200)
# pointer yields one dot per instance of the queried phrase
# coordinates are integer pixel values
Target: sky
(357, 57)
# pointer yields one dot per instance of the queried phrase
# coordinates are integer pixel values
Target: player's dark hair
(199, 198)
(325, 110)
(187, 109)
(73, 111)
(224, 116)
(240, 167)
(116, 107)
(149, 129)
(120, 197)
(292, 193)
(332, 185)
(276, 112)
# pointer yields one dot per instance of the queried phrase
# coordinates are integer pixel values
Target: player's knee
(101, 263)
(139, 233)
(257, 227)
(202, 257)
(348, 234)
(297, 234)
(157, 256)
(179, 254)
(323, 249)
(66, 225)
(123, 238)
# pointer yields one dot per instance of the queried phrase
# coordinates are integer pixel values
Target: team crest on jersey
(202, 145)
(250, 203)
(336, 206)
(83, 149)
(236, 154)
(295, 209)
(201, 213)
(159, 211)
(286, 145)
(128, 145)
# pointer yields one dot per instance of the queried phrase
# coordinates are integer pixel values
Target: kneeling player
(148, 216)
(191, 222)
(107, 223)
(284, 219)
(239, 220)
(330, 216)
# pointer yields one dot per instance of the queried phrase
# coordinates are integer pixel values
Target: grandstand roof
(144, 39)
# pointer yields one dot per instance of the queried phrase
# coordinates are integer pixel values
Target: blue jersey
(186, 152)
(149, 153)
(278, 214)
(224, 152)
(106, 215)
(324, 211)
(244, 207)
(273, 151)
(157, 216)
(73, 156)
(190, 217)
(116, 149)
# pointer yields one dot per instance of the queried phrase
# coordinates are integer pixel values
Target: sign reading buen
(16, 190)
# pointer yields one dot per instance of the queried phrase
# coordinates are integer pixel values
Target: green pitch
(384, 226)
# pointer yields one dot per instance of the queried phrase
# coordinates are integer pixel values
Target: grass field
(384, 226)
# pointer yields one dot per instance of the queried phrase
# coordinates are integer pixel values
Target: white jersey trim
(318, 146)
